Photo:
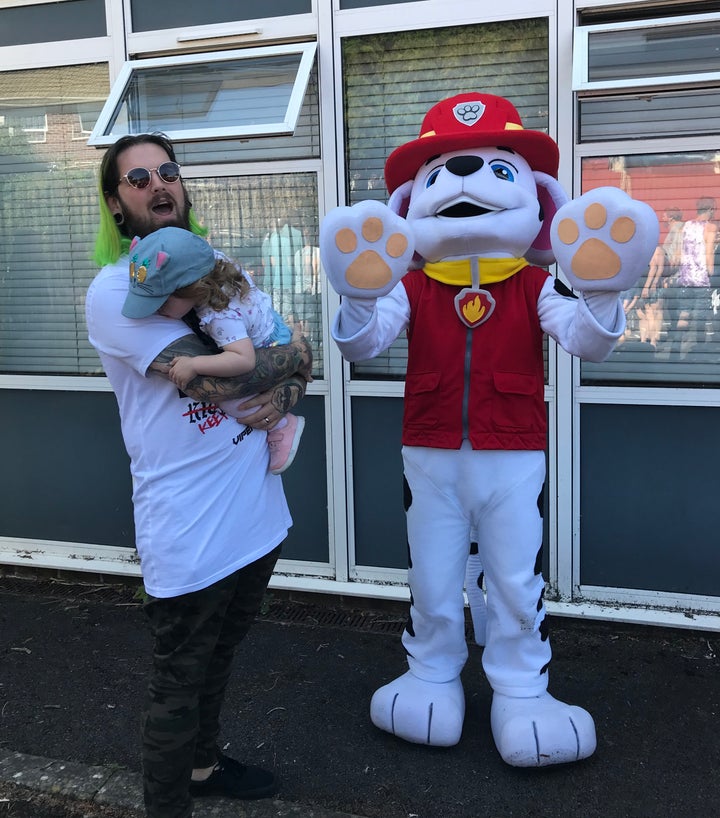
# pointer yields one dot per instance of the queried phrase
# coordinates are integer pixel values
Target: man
(209, 517)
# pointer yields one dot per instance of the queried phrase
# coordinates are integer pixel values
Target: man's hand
(270, 406)
(300, 342)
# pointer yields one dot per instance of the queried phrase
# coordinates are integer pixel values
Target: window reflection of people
(279, 249)
(697, 263)
(307, 272)
(650, 309)
(672, 246)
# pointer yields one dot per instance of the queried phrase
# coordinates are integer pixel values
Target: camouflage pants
(195, 638)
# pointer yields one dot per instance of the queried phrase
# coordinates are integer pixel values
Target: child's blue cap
(160, 264)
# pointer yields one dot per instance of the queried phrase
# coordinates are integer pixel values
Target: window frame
(100, 138)
(581, 54)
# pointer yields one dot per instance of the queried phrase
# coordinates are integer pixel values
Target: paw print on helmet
(468, 113)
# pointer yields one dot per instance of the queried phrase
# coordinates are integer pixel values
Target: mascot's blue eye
(503, 172)
(432, 178)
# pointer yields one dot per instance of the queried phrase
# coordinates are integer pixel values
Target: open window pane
(48, 201)
(253, 92)
(390, 84)
(673, 315)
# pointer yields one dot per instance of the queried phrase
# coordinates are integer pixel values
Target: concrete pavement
(75, 660)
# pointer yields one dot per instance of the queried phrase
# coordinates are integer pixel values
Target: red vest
(484, 384)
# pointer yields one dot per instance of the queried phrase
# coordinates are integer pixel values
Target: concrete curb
(122, 789)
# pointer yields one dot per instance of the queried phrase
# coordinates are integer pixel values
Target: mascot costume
(474, 206)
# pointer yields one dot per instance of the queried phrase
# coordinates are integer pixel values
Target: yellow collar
(460, 273)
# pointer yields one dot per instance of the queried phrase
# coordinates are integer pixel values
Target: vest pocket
(516, 401)
(421, 403)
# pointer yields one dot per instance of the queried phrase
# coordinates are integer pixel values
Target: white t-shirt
(205, 504)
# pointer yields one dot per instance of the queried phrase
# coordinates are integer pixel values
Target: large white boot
(540, 731)
(421, 712)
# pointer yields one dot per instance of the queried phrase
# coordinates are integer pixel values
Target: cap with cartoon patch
(471, 121)
(160, 264)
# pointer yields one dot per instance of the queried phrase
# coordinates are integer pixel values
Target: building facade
(282, 111)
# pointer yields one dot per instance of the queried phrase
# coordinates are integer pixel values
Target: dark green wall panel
(649, 481)
(66, 476)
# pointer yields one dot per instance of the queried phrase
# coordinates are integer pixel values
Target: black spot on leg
(409, 624)
(407, 494)
(473, 548)
(544, 629)
(541, 502)
(538, 561)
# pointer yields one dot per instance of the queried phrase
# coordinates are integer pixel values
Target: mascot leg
(426, 705)
(530, 727)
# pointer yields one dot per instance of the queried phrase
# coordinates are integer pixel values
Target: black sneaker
(231, 779)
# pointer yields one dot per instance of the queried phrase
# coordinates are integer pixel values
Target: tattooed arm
(280, 376)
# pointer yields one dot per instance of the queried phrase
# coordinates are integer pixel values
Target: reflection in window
(673, 314)
(269, 224)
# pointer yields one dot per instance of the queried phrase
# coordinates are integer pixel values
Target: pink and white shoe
(283, 443)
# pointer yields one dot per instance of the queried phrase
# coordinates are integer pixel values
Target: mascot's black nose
(464, 165)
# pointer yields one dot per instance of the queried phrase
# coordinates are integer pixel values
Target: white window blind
(390, 83)
(48, 217)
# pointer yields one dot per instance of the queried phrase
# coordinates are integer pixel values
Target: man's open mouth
(163, 208)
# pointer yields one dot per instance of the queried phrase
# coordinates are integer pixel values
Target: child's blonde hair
(217, 288)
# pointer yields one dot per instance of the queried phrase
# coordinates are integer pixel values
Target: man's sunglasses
(139, 178)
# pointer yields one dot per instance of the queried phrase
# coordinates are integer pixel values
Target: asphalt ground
(74, 662)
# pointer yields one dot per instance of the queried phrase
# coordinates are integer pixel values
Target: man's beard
(135, 225)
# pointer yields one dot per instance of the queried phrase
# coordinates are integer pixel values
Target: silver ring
(267, 420)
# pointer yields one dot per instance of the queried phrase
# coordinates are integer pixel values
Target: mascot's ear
(399, 203)
(400, 199)
(551, 197)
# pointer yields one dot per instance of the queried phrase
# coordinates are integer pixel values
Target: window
(48, 218)
(390, 84)
(659, 81)
(673, 314)
(661, 51)
(250, 92)
(269, 224)
(160, 14)
(52, 22)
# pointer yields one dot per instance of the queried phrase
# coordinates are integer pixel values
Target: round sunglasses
(139, 178)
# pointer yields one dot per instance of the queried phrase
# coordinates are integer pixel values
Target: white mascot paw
(604, 240)
(540, 731)
(421, 712)
(365, 249)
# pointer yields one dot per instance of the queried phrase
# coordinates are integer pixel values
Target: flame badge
(474, 307)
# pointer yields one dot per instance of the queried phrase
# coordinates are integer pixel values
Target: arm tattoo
(273, 366)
